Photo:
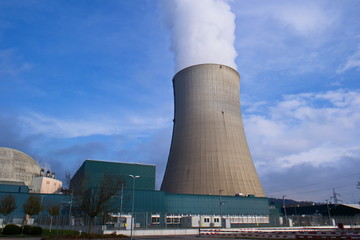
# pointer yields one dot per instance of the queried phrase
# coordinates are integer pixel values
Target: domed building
(17, 167)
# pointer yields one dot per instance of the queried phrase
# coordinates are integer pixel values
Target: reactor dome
(17, 167)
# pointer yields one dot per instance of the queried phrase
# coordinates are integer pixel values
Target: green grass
(60, 232)
(64, 234)
(84, 236)
(47, 233)
(71, 234)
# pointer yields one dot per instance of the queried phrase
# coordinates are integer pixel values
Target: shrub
(36, 230)
(11, 229)
(26, 230)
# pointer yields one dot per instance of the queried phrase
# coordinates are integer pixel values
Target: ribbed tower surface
(209, 152)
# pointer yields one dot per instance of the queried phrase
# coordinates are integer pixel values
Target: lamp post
(71, 200)
(132, 210)
(221, 203)
(284, 210)
(121, 200)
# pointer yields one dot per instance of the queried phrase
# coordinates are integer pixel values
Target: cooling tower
(209, 153)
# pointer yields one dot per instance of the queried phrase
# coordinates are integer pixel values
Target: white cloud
(11, 64)
(305, 19)
(290, 37)
(318, 156)
(302, 17)
(311, 128)
(66, 128)
(353, 62)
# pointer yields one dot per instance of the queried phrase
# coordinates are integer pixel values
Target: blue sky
(92, 80)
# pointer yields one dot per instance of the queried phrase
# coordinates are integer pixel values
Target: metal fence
(313, 220)
(148, 220)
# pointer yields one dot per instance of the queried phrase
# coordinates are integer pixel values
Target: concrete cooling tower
(209, 153)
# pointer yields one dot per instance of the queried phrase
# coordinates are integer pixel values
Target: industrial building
(322, 214)
(151, 207)
(92, 172)
(147, 199)
(18, 168)
(46, 183)
(157, 207)
(209, 153)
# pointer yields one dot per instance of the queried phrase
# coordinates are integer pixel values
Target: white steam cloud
(202, 32)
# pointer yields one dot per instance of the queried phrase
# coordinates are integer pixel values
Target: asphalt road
(189, 237)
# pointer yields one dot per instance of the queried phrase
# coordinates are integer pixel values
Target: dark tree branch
(96, 200)
(7, 205)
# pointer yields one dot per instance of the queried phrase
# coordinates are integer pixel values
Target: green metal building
(148, 202)
(92, 172)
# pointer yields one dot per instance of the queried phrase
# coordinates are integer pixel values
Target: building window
(216, 220)
(155, 220)
(206, 220)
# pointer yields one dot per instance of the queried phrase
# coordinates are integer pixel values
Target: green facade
(210, 204)
(147, 199)
(161, 202)
(92, 172)
(158, 202)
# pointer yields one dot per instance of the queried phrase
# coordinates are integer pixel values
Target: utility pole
(328, 210)
(285, 219)
(335, 197)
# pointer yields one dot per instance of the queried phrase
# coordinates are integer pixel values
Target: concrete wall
(46, 185)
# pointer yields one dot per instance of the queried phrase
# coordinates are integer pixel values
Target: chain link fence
(148, 220)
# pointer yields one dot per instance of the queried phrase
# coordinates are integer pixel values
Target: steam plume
(203, 31)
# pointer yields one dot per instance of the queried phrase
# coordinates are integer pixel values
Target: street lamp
(221, 203)
(71, 200)
(284, 210)
(132, 211)
(121, 199)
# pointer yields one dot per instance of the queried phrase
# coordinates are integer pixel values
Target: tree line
(91, 200)
(32, 206)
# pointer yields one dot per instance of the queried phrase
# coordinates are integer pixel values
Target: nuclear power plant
(209, 153)
(210, 179)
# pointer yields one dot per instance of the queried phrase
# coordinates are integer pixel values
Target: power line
(318, 190)
(314, 184)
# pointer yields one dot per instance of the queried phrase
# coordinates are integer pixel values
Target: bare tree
(53, 211)
(32, 206)
(7, 205)
(96, 200)
(67, 179)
